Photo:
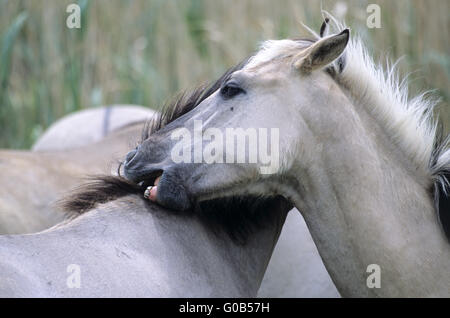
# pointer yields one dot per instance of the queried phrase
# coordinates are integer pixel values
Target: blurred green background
(143, 52)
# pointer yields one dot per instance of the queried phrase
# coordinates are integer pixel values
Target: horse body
(89, 126)
(129, 248)
(41, 178)
(34, 183)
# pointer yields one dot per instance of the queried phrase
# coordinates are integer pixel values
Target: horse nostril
(130, 156)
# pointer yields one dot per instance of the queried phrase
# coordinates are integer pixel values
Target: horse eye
(230, 90)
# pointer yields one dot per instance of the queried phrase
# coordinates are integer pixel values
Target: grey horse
(34, 181)
(363, 163)
(130, 248)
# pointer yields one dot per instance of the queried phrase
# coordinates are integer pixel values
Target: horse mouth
(166, 189)
(148, 179)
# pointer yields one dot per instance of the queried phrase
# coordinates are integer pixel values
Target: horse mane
(186, 101)
(237, 217)
(409, 121)
(440, 167)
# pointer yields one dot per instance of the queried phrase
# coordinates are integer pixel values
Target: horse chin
(172, 193)
(175, 195)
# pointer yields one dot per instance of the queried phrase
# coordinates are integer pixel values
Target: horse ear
(322, 53)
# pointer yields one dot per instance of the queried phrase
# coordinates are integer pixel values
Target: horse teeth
(147, 192)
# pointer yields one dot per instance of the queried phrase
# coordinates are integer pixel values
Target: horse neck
(184, 248)
(365, 204)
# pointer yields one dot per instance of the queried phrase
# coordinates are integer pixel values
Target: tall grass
(142, 52)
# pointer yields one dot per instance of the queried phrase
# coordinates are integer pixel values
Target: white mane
(409, 121)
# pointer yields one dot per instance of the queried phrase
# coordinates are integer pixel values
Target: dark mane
(442, 201)
(97, 190)
(441, 186)
(236, 216)
(186, 101)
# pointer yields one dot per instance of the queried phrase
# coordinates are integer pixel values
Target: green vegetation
(143, 52)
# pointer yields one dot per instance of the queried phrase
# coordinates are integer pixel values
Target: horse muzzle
(171, 192)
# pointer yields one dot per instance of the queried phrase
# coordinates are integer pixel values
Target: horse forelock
(271, 50)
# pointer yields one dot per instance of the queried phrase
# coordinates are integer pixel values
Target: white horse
(359, 160)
